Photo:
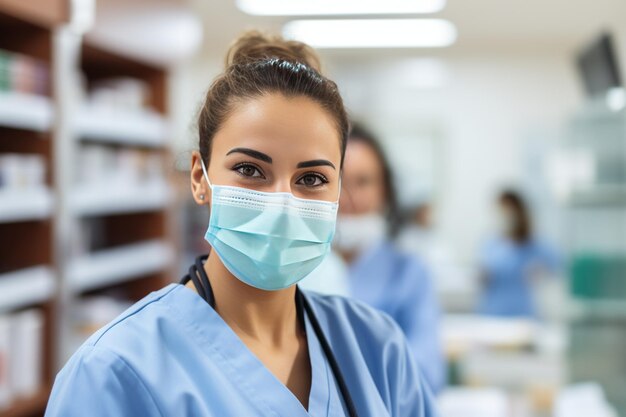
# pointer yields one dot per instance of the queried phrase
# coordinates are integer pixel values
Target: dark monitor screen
(598, 66)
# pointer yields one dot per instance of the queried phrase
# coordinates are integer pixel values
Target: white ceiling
(481, 24)
(484, 26)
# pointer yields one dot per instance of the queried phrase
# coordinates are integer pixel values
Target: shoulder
(497, 247)
(107, 370)
(405, 261)
(339, 304)
(372, 347)
(95, 363)
(99, 380)
(133, 325)
(540, 245)
(546, 252)
(412, 274)
(355, 318)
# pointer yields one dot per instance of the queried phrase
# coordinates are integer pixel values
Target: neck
(269, 317)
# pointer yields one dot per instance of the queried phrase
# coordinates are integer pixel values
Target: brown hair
(258, 64)
(360, 134)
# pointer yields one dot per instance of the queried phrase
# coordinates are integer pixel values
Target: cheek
(366, 200)
(346, 202)
(375, 199)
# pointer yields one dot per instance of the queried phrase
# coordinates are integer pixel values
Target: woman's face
(364, 188)
(274, 144)
(506, 217)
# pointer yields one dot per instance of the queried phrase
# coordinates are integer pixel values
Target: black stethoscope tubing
(201, 281)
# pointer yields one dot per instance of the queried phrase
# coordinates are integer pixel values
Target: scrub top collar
(266, 392)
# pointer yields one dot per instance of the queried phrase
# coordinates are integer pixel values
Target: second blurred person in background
(512, 260)
(370, 267)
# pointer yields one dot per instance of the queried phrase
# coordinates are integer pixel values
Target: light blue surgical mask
(268, 240)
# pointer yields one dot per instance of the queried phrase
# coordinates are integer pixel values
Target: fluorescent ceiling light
(372, 33)
(338, 7)
(616, 98)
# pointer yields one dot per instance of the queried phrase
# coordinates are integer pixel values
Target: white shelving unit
(35, 223)
(595, 222)
(26, 287)
(25, 205)
(142, 128)
(24, 111)
(116, 265)
(29, 114)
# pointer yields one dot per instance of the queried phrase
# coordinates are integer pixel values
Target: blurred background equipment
(98, 100)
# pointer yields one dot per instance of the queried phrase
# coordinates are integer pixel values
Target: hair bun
(254, 45)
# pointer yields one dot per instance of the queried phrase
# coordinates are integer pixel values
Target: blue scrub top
(508, 268)
(399, 284)
(171, 354)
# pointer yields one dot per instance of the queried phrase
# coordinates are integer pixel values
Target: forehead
(360, 157)
(281, 126)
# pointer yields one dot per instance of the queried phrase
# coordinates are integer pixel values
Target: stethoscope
(200, 280)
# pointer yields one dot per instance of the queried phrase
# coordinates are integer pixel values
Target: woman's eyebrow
(315, 163)
(252, 153)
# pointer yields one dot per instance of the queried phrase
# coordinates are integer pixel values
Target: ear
(199, 187)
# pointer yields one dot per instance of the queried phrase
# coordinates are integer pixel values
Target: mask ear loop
(206, 176)
(339, 193)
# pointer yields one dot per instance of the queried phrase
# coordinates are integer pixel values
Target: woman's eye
(312, 180)
(248, 170)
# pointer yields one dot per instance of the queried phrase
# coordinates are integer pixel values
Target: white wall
(492, 104)
(188, 85)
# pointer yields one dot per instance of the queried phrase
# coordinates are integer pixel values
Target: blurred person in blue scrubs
(374, 269)
(237, 337)
(511, 261)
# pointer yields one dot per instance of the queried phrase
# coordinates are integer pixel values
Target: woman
(378, 272)
(238, 338)
(510, 261)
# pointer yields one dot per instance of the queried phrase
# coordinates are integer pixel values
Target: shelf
(138, 128)
(120, 264)
(24, 111)
(25, 205)
(600, 196)
(98, 62)
(109, 199)
(26, 287)
(28, 407)
(461, 332)
(598, 309)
